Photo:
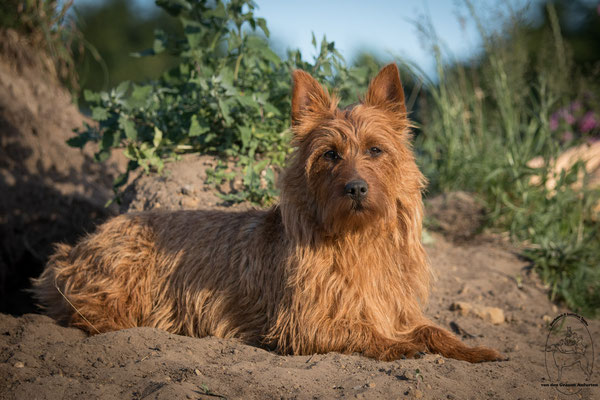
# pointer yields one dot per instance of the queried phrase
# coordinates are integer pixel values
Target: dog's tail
(437, 340)
(427, 337)
(53, 288)
(48, 290)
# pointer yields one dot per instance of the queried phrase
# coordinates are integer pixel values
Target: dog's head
(352, 168)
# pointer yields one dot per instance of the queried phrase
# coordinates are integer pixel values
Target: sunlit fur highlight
(320, 272)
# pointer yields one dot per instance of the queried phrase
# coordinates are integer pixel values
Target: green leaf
(226, 79)
(263, 25)
(158, 135)
(79, 140)
(258, 167)
(122, 89)
(110, 139)
(217, 12)
(194, 33)
(128, 126)
(209, 138)
(197, 127)
(140, 96)
(99, 114)
(247, 101)
(224, 107)
(245, 135)
(90, 96)
(234, 41)
(102, 156)
(270, 176)
(270, 108)
(131, 152)
(256, 43)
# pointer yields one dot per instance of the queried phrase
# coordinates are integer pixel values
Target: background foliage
(229, 95)
(486, 120)
(45, 25)
(108, 61)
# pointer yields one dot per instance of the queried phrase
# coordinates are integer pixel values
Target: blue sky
(384, 27)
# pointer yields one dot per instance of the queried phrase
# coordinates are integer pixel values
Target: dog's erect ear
(386, 90)
(307, 96)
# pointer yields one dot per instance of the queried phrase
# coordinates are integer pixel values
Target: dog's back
(157, 268)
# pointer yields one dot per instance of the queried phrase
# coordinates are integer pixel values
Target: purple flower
(554, 122)
(587, 122)
(566, 136)
(566, 116)
(569, 118)
(575, 106)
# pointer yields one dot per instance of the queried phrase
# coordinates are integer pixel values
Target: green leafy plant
(229, 96)
(484, 124)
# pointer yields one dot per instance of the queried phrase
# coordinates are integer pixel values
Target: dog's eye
(374, 151)
(331, 155)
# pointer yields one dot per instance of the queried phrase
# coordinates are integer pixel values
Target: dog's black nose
(357, 189)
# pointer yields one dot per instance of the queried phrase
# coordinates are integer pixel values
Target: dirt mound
(50, 192)
(458, 215)
(483, 293)
(181, 186)
(40, 359)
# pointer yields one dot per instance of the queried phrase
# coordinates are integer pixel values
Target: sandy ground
(42, 360)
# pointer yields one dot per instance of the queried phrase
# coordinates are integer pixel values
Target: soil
(40, 359)
(483, 292)
(181, 186)
(49, 191)
(458, 215)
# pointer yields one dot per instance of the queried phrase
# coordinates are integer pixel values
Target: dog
(336, 266)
